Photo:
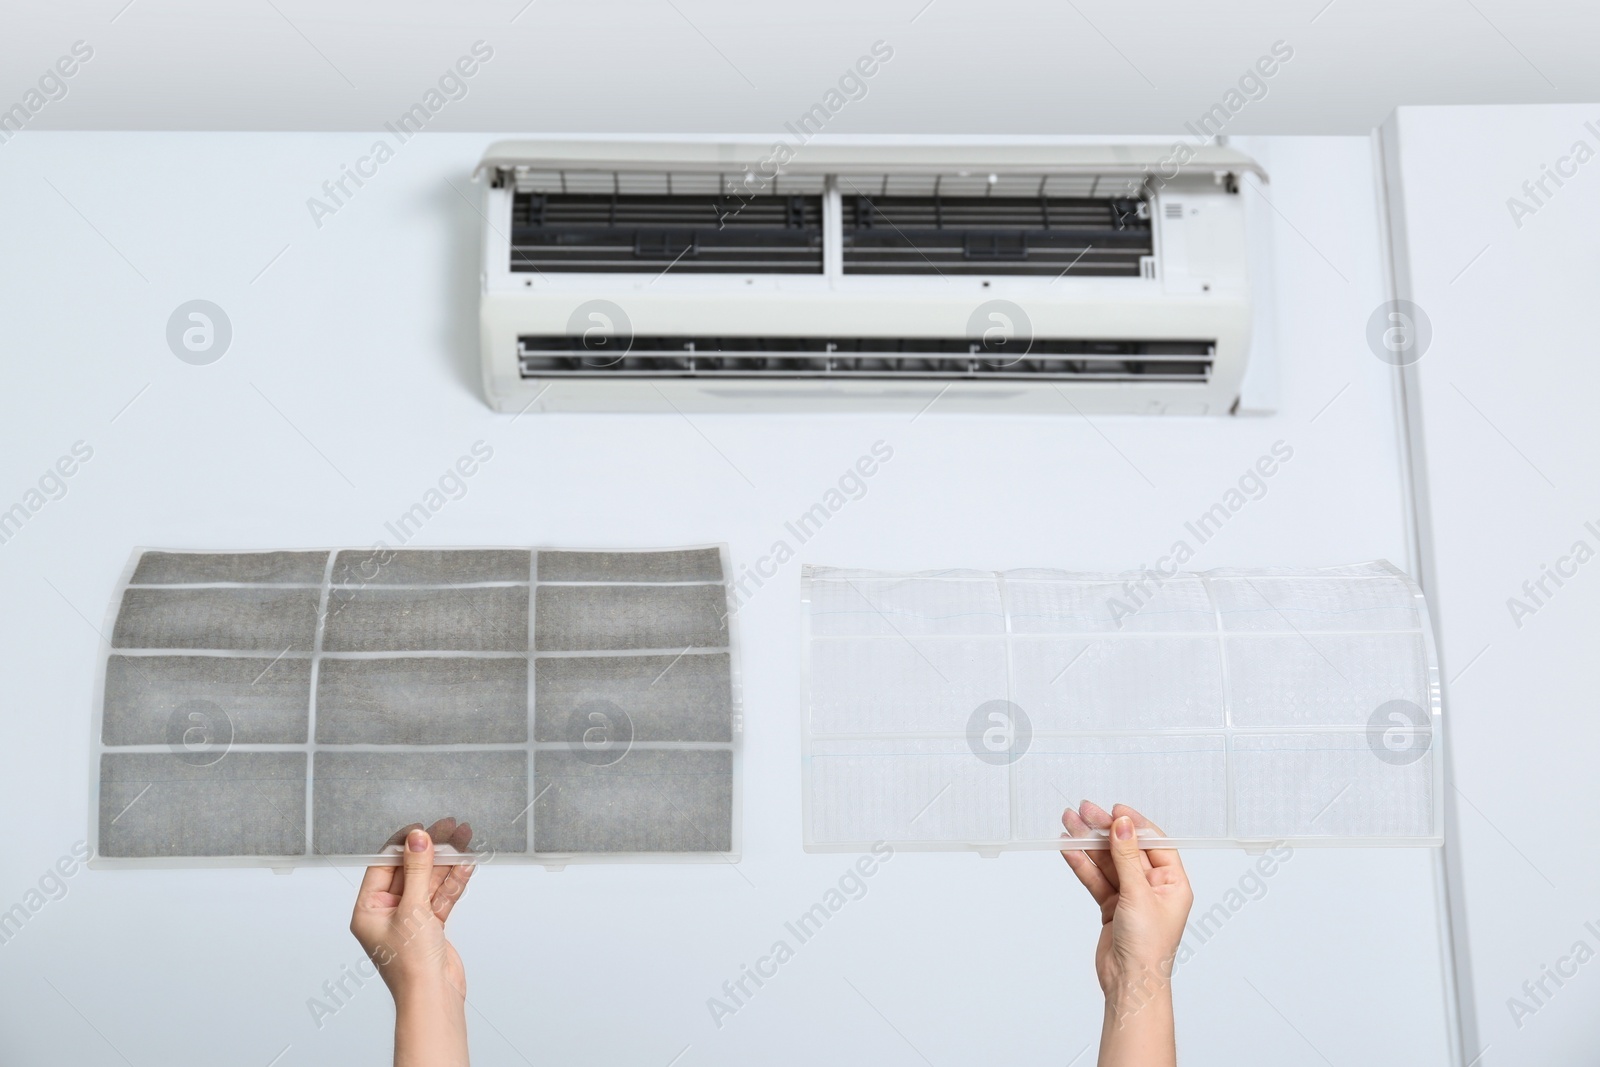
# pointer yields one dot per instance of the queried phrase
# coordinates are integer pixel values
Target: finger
(418, 864)
(1082, 866)
(1131, 881)
(397, 874)
(1074, 823)
(456, 876)
(450, 890)
(376, 880)
(1079, 827)
(1095, 818)
(1158, 857)
(1095, 815)
(400, 835)
(1121, 811)
(440, 832)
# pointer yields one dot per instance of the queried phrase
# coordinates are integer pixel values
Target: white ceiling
(651, 66)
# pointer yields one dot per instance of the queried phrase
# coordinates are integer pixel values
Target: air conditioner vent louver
(884, 358)
(693, 233)
(996, 235)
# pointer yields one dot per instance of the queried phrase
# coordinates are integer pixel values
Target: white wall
(652, 66)
(354, 358)
(1507, 421)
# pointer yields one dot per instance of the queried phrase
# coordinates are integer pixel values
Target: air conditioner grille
(895, 358)
(996, 235)
(689, 233)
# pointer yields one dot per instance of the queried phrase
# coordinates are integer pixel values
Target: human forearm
(430, 1028)
(1144, 899)
(399, 919)
(1138, 1028)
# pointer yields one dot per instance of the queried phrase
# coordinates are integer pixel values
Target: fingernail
(1123, 828)
(417, 841)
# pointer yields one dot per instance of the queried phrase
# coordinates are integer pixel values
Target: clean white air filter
(961, 710)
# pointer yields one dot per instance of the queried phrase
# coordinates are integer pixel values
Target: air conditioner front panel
(650, 277)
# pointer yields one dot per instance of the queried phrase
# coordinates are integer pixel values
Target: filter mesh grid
(966, 709)
(288, 707)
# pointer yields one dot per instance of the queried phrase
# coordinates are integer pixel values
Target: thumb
(418, 867)
(1124, 853)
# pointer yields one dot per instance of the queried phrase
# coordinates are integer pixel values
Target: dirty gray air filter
(288, 707)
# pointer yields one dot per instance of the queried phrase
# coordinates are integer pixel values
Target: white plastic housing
(1197, 287)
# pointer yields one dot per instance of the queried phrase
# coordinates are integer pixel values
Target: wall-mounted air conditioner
(704, 276)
